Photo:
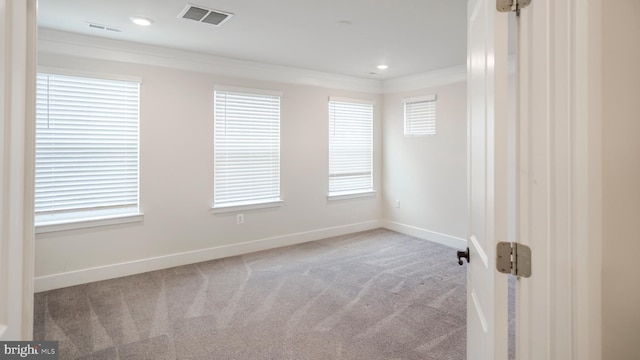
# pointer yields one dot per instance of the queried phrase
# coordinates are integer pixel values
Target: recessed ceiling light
(383, 67)
(141, 21)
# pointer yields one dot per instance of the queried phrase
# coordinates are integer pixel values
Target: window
(86, 148)
(246, 147)
(350, 147)
(420, 116)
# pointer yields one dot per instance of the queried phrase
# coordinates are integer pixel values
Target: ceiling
(348, 37)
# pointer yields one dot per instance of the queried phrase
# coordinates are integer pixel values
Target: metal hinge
(513, 258)
(512, 5)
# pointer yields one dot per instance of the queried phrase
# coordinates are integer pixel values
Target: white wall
(621, 180)
(176, 158)
(428, 175)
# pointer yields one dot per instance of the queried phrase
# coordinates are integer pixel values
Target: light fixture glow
(383, 67)
(141, 21)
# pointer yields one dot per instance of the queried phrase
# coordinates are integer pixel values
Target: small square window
(420, 116)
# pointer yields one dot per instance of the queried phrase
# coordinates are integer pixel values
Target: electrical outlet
(397, 203)
(240, 219)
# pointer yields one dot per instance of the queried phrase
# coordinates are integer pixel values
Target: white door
(487, 145)
(558, 176)
(17, 107)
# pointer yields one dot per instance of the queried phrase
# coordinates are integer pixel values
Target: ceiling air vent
(204, 15)
(103, 27)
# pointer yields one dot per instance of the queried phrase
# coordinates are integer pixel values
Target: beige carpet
(371, 295)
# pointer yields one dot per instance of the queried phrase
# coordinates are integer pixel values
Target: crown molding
(429, 79)
(65, 43)
(446, 76)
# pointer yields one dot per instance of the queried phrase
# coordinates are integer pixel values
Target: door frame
(17, 130)
(558, 309)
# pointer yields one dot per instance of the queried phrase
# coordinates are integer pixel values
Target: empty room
(362, 179)
(216, 131)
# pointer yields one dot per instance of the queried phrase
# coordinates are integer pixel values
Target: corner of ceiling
(425, 80)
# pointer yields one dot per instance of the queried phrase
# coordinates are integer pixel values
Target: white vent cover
(104, 27)
(204, 15)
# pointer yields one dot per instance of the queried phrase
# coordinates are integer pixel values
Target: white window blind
(87, 134)
(420, 116)
(246, 148)
(350, 147)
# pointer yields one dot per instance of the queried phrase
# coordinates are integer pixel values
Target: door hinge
(513, 258)
(512, 5)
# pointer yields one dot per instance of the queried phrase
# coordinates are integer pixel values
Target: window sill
(221, 209)
(350, 195)
(75, 224)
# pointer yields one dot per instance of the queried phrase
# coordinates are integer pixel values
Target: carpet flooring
(371, 295)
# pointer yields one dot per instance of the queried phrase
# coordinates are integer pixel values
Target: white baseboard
(448, 240)
(88, 275)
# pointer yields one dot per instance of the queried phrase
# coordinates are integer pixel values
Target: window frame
(431, 99)
(236, 206)
(352, 193)
(86, 218)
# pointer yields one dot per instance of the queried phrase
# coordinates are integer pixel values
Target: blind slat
(87, 145)
(350, 147)
(246, 147)
(420, 117)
